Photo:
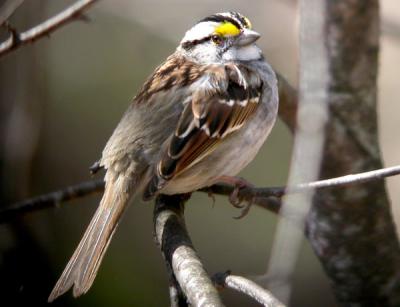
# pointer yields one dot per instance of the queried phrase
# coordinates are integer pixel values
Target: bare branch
(174, 242)
(267, 198)
(44, 29)
(52, 199)
(177, 299)
(288, 102)
(350, 229)
(312, 116)
(247, 287)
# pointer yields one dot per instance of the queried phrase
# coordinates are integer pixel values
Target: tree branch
(352, 231)
(288, 102)
(247, 287)
(174, 242)
(44, 29)
(267, 198)
(52, 199)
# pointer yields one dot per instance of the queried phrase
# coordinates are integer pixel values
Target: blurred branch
(8, 8)
(52, 199)
(247, 287)
(17, 40)
(352, 231)
(262, 197)
(391, 28)
(288, 100)
(180, 257)
(309, 138)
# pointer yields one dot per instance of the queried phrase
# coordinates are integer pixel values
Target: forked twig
(17, 40)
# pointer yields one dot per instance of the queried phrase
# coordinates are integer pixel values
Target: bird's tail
(84, 263)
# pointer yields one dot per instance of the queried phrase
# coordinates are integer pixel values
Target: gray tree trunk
(351, 229)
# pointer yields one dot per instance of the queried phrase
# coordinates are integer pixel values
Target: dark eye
(216, 39)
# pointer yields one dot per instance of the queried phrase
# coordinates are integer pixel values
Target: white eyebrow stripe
(199, 31)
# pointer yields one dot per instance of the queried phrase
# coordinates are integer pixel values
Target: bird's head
(221, 38)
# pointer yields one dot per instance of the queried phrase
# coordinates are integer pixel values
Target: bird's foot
(239, 184)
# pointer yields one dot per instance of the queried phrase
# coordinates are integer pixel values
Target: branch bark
(288, 102)
(267, 198)
(352, 230)
(17, 40)
(175, 244)
(247, 287)
(52, 199)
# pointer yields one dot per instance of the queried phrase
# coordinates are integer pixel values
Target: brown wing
(213, 113)
(176, 72)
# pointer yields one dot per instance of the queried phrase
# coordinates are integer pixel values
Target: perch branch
(247, 287)
(52, 199)
(249, 192)
(17, 40)
(267, 198)
(175, 244)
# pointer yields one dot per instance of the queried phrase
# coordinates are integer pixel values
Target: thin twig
(259, 195)
(175, 244)
(247, 287)
(52, 199)
(267, 198)
(45, 28)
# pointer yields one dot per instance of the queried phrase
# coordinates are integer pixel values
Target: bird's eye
(216, 39)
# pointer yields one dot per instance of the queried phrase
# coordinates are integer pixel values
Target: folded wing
(221, 104)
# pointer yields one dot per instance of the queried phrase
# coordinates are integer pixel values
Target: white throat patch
(245, 53)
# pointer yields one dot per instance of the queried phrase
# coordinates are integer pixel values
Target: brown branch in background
(52, 199)
(7, 8)
(247, 287)
(288, 102)
(351, 230)
(175, 244)
(71, 13)
(267, 198)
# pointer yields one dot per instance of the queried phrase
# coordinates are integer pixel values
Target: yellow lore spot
(227, 29)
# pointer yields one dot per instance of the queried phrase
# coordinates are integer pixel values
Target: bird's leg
(238, 183)
(95, 168)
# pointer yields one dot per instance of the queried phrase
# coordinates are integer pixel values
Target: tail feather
(82, 268)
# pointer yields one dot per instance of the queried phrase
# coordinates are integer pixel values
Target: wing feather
(217, 109)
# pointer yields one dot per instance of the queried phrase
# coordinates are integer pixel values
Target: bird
(199, 119)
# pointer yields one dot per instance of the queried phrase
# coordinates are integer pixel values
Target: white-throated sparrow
(203, 114)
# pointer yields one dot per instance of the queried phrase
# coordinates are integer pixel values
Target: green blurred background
(60, 99)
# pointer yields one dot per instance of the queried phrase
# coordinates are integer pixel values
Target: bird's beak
(247, 37)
